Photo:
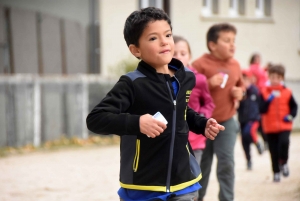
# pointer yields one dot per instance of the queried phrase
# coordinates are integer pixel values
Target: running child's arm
(195, 121)
(206, 102)
(293, 109)
(110, 117)
(150, 126)
(213, 128)
(264, 104)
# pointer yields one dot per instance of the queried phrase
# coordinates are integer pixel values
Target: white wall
(277, 41)
(113, 14)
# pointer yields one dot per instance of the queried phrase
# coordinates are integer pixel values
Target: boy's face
(275, 79)
(156, 45)
(225, 46)
(247, 81)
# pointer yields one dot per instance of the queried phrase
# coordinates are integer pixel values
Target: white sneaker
(276, 177)
(285, 170)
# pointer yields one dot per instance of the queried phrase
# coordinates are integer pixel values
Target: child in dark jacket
(249, 116)
(156, 163)
(278, 108)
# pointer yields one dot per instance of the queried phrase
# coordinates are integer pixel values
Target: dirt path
(88, 174)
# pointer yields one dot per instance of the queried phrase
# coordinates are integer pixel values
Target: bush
(126, 65)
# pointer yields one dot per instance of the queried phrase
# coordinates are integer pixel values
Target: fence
(35, 109)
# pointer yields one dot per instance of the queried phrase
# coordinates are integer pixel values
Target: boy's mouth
(164, 51)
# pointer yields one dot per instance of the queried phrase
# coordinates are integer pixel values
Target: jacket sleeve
(293, 107)
(206, 101)
(110, 117)
(195, 122)
(263, 105)
(257, 115)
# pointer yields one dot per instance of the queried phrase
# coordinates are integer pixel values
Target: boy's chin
(229, 56)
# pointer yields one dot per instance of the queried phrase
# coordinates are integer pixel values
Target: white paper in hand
(225, 78)
(160, 117)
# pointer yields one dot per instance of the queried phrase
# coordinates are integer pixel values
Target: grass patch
(62, 143)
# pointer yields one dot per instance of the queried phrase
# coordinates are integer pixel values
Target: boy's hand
(216, 80)
(212, 129)
(270, 98)
(150, 126)
(288, 118)
(237, 93)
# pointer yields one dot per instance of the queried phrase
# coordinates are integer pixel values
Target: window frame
(210, 7)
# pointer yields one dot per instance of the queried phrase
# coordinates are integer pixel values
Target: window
(210, 7)
(236, 8)
(162, 4)
(151, 3)
(263, 8)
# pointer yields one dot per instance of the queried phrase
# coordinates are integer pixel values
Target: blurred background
(59, 58)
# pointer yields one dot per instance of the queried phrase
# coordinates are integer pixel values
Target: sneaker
(249, 165)
(276, 177)
(285, 170)
(259, 148)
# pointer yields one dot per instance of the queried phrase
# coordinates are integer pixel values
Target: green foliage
(126, 65)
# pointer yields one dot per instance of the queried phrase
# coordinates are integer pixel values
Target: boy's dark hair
(213, 32)
(179, 38)
(137, 21)
(277, 69)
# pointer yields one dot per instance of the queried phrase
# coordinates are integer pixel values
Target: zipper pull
(174, 101)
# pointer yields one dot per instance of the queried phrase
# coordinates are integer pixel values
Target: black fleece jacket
(163, 163)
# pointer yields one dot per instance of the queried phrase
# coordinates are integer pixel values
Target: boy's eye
(152, 39)
(169, 35)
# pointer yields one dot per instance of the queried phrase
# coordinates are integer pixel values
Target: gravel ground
(91, 173)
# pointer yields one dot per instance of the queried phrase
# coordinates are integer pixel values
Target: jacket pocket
(137, 156)
(194, 166)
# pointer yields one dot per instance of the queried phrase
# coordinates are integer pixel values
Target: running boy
(156, 162)
(249, 116)
(278, 108)
(226, 87)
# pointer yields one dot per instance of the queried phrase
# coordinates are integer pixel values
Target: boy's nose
(164, 42)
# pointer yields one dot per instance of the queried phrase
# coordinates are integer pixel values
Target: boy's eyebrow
(153, 33)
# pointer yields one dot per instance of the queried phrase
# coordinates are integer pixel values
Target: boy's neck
(219, 57)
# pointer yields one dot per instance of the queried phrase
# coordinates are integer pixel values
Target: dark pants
(279, 148)
(246, 141)
(223, 147)
(261, 131)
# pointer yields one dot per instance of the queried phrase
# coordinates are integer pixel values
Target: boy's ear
(134, 50)
(212, 46)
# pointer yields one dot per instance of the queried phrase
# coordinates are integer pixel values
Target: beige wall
(113, 14)
(278, 39)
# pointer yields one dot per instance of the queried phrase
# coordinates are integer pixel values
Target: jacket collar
(151, 73)
(277, 87)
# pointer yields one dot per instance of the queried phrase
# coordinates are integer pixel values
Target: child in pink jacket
(200, 99)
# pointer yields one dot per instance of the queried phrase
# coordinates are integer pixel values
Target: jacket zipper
(168, 183)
